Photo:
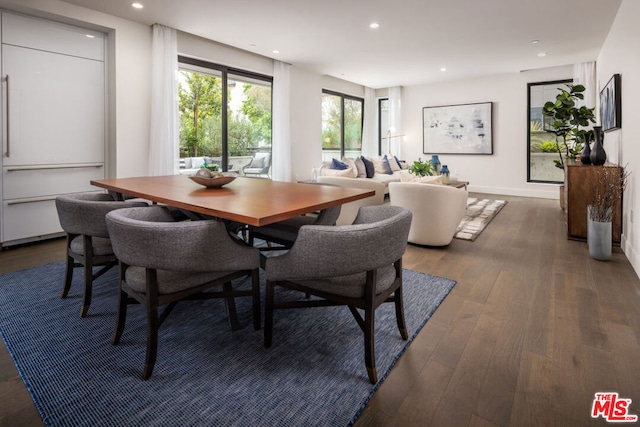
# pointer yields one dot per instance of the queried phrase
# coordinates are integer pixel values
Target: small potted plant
(606, 194)
(420, 168)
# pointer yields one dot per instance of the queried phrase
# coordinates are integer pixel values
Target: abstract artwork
(458, 129)
(611, 105)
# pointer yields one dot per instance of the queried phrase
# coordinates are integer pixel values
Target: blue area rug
(314, 373)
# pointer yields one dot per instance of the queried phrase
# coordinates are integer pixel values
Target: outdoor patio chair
(163, 261)
(357, 265)
(259, 165)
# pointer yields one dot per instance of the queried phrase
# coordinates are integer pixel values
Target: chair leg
(68, 277)
(268, 313)
(88, 275)
(369, 326)
(152, 323)
(123, 302)
(230, 303)
(255, 289)
(68, 271)
(402, 326)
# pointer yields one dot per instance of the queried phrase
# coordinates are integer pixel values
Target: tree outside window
(204, 109)
(342, 117)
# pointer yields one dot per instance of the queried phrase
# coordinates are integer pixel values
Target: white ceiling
(416, 38)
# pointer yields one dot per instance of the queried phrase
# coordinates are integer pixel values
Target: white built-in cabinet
(53, 121)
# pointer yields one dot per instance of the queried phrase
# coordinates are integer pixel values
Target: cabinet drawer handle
(32, 200)
(8, 121)
(35, 168)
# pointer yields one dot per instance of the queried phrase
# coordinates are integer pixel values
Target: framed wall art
(611, 105)
(458, 129)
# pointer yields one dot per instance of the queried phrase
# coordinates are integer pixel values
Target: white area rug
(479, 214)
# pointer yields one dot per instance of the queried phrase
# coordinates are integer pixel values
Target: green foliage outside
(200, 108)
(332, 122)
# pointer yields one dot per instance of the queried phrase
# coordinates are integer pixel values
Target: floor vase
(599, 239)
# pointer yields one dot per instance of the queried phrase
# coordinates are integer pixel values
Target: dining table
(251, 201)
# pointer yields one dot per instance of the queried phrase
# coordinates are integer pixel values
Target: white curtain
(585, 74)
(395, 121)
(281, 145)
(370, 125)
(163, 146)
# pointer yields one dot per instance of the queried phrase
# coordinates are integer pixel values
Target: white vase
(599, 239)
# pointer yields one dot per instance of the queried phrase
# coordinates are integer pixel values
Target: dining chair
(284, 233)
(82, 217)
(358, 265)
(163, 262)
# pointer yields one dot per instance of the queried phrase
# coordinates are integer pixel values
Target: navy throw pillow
(398, 162)
(337, 164)
(387, 166)
(368, 166)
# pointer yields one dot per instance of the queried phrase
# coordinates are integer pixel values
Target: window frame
(343, 97)
(192, 64)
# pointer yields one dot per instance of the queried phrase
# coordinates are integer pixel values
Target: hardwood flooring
(533, 328)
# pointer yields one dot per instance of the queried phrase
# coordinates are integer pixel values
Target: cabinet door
(54, 108)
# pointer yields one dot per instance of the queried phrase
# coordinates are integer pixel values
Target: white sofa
(350, 210)
(437, 210)
(353, 173)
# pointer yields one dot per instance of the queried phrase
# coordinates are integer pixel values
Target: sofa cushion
(337, 164)
(387, 165)
(256, 163)
(369, 167)
(409, 177)
(360, 167)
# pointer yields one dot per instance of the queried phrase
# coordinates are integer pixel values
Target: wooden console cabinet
(579, 183)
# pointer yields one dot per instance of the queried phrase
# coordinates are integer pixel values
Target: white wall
(128, 65)
(619, 54)
(504, 172)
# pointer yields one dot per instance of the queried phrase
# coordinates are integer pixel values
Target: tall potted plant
(567, 119)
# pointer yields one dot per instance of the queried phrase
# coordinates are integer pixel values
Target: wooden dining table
(252, 201)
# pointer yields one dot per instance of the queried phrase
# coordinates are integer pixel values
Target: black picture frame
(458, 129)
(611, 105)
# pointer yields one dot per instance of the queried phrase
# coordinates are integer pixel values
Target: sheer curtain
(369, 127)
(281, 145)
(163, 145)
(395, 121)
(584, 73)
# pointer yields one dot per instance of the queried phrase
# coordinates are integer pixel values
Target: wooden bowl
(213, 182)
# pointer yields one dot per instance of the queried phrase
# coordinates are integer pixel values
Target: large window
(541, 142)
(383, 125)
(227, 127)
(342, 117)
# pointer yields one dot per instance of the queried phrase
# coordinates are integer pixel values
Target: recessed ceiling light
(535, 41)
(443, 69)
(276, 51)
(374, 25)
(90, 36)
(137, 5)
(542, 54)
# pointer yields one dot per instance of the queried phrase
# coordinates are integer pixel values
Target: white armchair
(437, 210)
(350, 210)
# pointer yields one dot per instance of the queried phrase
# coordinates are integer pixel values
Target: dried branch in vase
(608, 189)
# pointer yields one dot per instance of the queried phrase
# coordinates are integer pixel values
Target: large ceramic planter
(599, 239)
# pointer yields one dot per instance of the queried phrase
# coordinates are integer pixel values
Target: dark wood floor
(533, 328)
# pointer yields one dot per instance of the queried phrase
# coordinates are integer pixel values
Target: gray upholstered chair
(163, 261)
(284, 233)
(82, 217)
(357, 265)
(259, 165)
